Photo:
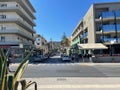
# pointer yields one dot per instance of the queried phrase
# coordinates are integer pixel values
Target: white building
(16, 24)
(41, 44)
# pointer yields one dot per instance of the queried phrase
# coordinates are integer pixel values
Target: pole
(115, 23)
(102, 28)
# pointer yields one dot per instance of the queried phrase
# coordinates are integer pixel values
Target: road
(54, 74)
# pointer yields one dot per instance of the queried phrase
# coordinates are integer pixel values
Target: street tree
(65, 43)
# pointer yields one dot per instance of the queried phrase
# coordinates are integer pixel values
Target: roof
(92, 46)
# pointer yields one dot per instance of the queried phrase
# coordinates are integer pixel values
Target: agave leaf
(31, 83)
(10, 82)
(23, 84)
(21, 68)
(21, 71)
(3, 74)
(15, 87)
(21, 64)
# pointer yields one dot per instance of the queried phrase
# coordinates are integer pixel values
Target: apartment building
(100, 25)
(16, 24)
(41, 44)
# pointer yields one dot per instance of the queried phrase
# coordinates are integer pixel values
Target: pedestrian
(8, 64)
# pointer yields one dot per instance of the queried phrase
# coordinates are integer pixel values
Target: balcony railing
(108, 14)
(117, 13)
(8, 42)
(19, 32)
(20, 10)
(29, 9)
(19, 21)
(109, 28)
(111, 39)
(85, 35)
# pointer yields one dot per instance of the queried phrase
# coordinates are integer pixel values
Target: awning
(92, 46)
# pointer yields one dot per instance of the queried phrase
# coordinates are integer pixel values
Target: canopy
(89, 46)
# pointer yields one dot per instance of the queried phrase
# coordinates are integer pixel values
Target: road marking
(79, 86)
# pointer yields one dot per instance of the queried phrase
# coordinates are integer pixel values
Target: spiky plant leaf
(10, 82)
(31, 83)
(21, 64)
(3, 70)
(23, 84)
(15, 86)
(21, 71)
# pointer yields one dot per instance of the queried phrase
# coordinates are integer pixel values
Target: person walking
(8, 64)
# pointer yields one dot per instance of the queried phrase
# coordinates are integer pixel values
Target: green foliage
(65, 41)
(11, 81)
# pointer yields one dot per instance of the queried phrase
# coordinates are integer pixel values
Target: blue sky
(54, 17)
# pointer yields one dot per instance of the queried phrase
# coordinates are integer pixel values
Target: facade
(41, 44)
(16, 24)
(101, 24)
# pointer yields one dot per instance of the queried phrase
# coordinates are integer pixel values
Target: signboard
(5, 46)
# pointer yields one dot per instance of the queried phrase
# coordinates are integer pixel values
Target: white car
(66, 58)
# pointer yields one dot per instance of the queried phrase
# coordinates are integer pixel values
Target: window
(3, 28)
(2, 16)
(3, 5)
(2, 39)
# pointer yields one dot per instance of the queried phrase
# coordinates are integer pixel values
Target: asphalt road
(54, 74)
(55, 67)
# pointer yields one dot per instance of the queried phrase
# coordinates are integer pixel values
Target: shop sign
(5, 46)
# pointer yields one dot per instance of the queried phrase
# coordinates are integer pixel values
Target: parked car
(34, 59)
(37, 59)
(42, 57)
(66, 58)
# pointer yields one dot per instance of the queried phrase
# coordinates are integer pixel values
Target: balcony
(20, 11)
(20, 22)
(85, 35)
(108, 16)
(108, 29)
(15, 43)
(26, 7)
(18, 32)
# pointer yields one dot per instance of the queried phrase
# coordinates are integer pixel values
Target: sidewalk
(76, 83)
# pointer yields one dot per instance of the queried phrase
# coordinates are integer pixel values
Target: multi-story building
(41, 44)
(101, 24)
(16, 24)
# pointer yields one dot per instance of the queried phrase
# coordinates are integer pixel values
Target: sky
(56, 17)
